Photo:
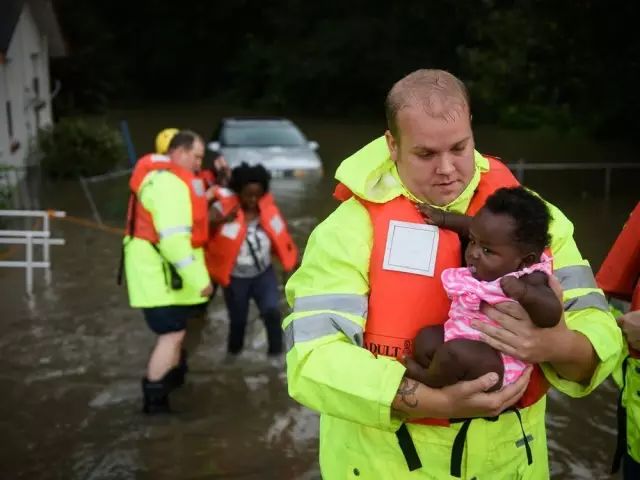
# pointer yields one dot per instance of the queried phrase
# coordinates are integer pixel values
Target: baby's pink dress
(466, 294)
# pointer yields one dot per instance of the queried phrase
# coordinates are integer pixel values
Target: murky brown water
(73, 354)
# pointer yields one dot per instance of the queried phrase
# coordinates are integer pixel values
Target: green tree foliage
(5, 191)
(527, 63)
(74, 147)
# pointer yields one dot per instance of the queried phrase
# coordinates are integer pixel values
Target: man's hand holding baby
(521, 338)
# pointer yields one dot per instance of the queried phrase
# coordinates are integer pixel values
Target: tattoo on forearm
(407, 392)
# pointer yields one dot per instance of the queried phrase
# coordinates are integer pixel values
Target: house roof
(45, 19)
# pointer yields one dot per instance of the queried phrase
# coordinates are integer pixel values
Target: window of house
(37, 106)
(9, 120)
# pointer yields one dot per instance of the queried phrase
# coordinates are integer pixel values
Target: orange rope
(88, 223)
(77, 220)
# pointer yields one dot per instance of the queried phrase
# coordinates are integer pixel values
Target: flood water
(73, 353)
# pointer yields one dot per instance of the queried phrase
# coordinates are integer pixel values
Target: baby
(505, 261)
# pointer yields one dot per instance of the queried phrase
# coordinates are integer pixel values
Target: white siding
(4, 134)
(26, 60)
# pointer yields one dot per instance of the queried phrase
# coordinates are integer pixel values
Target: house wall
(25, 79)
(4, 134)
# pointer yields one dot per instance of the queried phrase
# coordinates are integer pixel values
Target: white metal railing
(29, 238)
(521, 166)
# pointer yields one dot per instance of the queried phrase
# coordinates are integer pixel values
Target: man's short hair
(440, 93)
(184, 139)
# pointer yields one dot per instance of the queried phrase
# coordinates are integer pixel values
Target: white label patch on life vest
(277, 224)
(411, 248)
(230, 230)
(198, 186)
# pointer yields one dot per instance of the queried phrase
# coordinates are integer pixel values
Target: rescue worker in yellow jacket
(628, 378)
(164, 260)
(370, 278)
(619, 277)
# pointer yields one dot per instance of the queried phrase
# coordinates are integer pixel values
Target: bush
(5, 197)
(536, 116)
(74, 147)
(5, 188)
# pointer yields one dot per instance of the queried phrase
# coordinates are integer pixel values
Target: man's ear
(392, 145)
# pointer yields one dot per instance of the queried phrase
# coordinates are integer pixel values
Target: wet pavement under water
(74, 352)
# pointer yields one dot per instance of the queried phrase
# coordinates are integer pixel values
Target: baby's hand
(431, 215)
(516, 288)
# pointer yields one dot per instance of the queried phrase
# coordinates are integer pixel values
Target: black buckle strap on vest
(457, 450)
(175, 280)
(455, 469)
(621, 414)
(408, 448)
(524, 436)
(120, 273)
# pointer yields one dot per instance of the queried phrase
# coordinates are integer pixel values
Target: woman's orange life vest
(210, 181)
(400, 303)
(208, 177)
(224, 245)
(619, 274)
(142, 223)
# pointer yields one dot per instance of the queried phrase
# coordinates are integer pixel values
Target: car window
(262, 136)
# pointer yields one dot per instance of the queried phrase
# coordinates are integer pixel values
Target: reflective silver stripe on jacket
(167, 232)
(184, 262)
(158, 157)
(576, 276)
(341, 302)
(320, 325)
(590, 300)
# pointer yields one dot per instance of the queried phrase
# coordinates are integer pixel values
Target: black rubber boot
(155, 397)
(183, 365)
(174, 378)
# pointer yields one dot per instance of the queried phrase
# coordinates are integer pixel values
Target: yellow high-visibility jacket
(329, 371)
(168, 200)
(627, 376)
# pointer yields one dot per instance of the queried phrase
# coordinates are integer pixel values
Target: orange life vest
(224, 245)
(208, 177)
(619, 274)
(143, 222)
(400, 303)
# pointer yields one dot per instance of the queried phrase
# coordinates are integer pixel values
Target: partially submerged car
(276, 143)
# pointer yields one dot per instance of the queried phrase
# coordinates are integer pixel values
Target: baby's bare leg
(427, 341)
(463, 359)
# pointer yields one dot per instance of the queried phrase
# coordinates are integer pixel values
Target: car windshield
(266, 135)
